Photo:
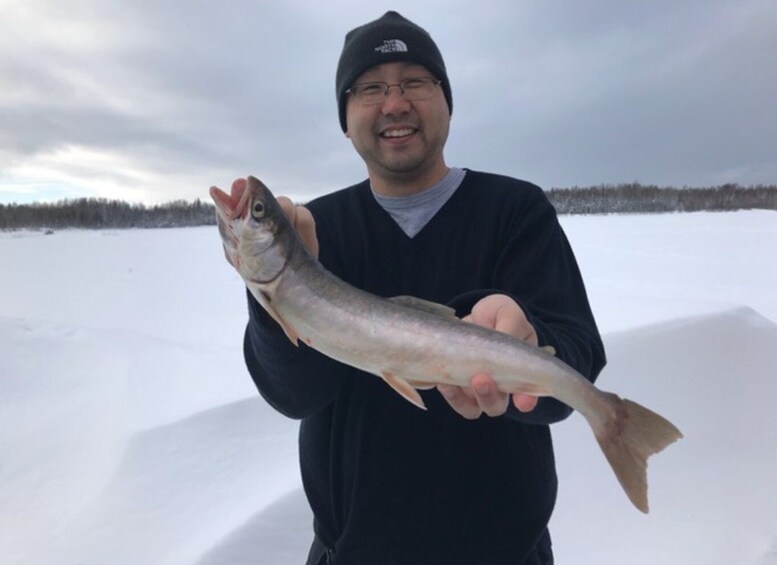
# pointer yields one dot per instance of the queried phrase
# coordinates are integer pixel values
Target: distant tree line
(99, 213)
(633, 198)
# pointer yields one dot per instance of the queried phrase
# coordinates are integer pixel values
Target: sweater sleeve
(537, 268)
(294, 379)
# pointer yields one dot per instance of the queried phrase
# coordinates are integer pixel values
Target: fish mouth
(235, 204)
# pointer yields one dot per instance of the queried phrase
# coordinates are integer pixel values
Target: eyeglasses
(370, 93)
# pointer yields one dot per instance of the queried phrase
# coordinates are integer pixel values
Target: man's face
(399, 139)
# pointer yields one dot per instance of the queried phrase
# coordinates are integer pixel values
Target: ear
(347, 135)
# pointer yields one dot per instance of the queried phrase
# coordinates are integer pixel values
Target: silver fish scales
(413, 344)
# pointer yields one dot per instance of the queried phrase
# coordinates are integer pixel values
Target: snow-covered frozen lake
(130, 432)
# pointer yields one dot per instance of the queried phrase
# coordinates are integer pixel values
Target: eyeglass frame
(387, 89)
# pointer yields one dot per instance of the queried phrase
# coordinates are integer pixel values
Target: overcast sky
(153, 100)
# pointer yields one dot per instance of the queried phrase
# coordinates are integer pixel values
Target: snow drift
(131, 433)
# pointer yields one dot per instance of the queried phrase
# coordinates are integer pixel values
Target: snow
(130, 431)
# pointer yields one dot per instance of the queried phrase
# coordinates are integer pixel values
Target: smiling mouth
(395, 133)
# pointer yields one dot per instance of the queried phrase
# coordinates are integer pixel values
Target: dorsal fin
(425, 306)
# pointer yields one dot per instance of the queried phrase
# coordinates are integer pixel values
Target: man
(472, 480)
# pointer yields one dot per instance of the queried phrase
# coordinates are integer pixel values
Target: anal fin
(421, 385)
(404, 388)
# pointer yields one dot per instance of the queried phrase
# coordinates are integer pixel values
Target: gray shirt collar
(413, 212)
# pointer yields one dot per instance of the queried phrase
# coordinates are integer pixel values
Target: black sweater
(387, 482)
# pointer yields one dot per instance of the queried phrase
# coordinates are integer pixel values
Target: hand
(302, 221)
(502, 313)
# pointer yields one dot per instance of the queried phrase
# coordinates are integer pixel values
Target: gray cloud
(159, 100)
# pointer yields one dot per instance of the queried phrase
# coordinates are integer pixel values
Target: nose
(395, 102)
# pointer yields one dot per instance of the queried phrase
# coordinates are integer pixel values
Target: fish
(413, 344)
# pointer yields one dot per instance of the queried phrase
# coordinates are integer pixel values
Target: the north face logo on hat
(392, 46)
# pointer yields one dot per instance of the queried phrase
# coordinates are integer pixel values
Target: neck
(406, 183)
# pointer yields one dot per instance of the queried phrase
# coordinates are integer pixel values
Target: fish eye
(258, 209)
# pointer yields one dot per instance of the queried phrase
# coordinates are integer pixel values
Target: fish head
(257, 237)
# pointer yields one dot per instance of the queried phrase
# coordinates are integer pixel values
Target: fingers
(524, 402)
(306, 228)
(461, 400)
(302, 221)
(490, 399)
(288, 208)
(482, 397)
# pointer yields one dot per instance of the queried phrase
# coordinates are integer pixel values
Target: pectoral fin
(264, 299)
(403, 387)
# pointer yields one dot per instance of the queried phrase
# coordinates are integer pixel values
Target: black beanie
(388, 39)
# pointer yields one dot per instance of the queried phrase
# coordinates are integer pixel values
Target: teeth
(397, 132)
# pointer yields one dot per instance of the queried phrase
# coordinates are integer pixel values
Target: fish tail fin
(628, 436)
